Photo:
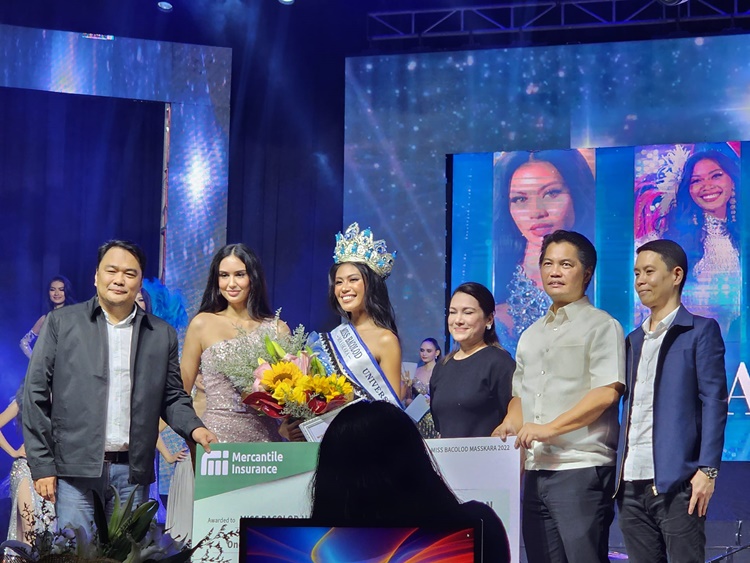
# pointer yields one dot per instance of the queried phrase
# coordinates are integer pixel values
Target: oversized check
(273, 480)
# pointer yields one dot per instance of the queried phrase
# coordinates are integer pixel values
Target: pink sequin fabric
(226, 415)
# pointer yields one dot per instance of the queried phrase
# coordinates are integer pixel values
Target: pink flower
(302, 361)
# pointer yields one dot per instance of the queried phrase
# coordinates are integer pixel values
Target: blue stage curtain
(75, 171)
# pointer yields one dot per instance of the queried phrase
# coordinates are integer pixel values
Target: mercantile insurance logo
(223, 462)
(215, 463)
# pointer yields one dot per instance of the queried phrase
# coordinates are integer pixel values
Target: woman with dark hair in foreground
(367, 462)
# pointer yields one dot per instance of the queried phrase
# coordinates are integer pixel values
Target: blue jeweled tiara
(356, 246)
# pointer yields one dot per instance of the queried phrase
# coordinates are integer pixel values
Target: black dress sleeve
(469, 397)
(502, 380)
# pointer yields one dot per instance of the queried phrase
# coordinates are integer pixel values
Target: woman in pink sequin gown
(235, 302)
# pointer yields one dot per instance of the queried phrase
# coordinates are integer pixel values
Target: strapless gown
(226, 415)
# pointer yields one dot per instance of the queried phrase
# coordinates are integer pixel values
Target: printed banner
(273, 480)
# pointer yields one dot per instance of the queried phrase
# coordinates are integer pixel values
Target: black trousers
(658, 528)
(567, 514)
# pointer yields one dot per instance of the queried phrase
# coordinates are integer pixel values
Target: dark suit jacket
(690, 399)
(65, 393)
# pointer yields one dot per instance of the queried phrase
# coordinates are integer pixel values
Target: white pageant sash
(360, 366)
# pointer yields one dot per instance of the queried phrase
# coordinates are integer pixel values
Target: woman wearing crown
(365, 347)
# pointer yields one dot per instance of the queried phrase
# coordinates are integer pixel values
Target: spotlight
(164, 6)
(286, 2)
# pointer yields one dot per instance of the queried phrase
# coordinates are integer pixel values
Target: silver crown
(356, 246)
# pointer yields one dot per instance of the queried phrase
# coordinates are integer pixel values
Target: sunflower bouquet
(295, 385)
(239, 363)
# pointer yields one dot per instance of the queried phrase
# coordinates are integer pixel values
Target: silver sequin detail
(526, 302)
(226, 415)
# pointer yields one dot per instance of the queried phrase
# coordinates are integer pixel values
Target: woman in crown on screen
(535, 193)
(365, 347)
(703, 219)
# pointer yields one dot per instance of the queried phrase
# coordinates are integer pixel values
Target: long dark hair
(509, 244)
(487, 305)
(70, 298)
(373, 466)
(377, 303)
(685, 219)
(258, 306)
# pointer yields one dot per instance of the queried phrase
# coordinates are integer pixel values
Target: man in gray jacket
(101, 375)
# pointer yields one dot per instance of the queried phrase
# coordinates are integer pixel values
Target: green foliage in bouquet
(251, 349)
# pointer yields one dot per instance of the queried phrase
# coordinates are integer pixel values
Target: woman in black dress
(471, 388)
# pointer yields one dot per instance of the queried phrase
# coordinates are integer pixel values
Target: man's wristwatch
(711, 472)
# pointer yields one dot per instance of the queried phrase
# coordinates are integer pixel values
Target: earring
(489, 326)
(695, 219)
(733, 208)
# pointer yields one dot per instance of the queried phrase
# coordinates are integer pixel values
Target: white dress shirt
(559, 359)
(639, 461)
(120, 335)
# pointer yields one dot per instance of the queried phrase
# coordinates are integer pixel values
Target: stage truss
(546, 16)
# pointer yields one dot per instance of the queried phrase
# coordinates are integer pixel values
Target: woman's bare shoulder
(213, 324)
(387, 338)
(202, 320)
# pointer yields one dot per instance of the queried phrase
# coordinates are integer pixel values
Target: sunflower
(286, 393)
(319, 385)
(298, 396)
(339, 385)
(331, 387)
(305, 383)
(281, 371)
(283, 392)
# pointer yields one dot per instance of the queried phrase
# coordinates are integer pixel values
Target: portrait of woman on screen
(535, 194)
(698, 187)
